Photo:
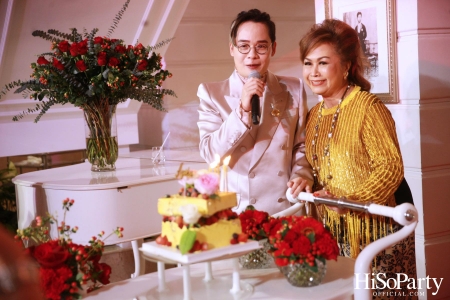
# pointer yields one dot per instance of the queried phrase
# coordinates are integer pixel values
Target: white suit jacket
(264, 157)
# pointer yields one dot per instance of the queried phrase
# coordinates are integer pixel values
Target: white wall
(424, 39)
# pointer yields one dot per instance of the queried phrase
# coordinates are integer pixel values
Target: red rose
(63, 46)
(81, 66)
(101, 59)
(121, 49)
(139, 47)
(82, 47)
(74, 49)
(105, 272)
(50, 254)
(113, 62)
(98, 40)
(42, 61)
(142, 65)
(57, 64)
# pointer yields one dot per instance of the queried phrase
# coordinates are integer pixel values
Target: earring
(345, 75)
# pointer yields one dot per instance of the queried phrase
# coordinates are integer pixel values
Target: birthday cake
(199, 217)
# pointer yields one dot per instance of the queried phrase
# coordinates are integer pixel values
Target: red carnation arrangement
(299, 239)
(63, 265)
(255, 223)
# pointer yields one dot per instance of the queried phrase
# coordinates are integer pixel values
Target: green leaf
(214, 196)
(311, 237)
(323, 260)
(110, 76)
(41, 96)
(312, 268)
(79, 276)
(187, 241)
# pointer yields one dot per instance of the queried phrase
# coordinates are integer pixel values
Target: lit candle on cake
(224, 177)
(213, 165)
(216, 164)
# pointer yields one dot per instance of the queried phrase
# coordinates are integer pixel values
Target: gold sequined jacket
(364, 160)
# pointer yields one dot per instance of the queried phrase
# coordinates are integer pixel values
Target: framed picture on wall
(374, 22)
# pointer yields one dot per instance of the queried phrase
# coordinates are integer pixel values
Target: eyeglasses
(259, 48)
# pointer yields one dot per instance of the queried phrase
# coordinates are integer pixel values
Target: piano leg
(139, 265)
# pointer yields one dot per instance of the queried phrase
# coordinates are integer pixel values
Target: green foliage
(84, 69)
(118, 18)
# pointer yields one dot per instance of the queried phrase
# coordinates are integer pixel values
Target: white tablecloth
(258, 284)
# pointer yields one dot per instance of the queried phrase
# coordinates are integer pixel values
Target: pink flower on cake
(207, 183)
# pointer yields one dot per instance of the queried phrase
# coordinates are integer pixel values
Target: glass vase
(259, 258)
(101, 136)
(302, 275)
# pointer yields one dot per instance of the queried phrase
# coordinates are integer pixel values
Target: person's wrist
(245, 110)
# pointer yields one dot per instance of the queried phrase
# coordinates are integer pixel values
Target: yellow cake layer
(170, 206)
(216, 235)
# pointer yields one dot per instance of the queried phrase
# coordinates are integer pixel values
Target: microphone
(255, 100)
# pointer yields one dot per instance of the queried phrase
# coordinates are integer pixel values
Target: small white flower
(186, 180)
(190, 213)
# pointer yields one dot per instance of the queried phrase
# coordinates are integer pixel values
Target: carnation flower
(299, 239)
(253, 221)
(53, 281)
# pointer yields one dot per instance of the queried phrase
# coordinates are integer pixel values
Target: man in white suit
(266, 158)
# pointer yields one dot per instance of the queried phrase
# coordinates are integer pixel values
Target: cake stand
(163, 254)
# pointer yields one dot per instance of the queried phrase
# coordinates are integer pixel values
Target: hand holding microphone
(252, 90)
(256, 114)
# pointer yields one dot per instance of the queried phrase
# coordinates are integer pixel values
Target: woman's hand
(298, 185)
(325, 194)
(253, 86)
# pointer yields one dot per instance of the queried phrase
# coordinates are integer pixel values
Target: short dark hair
(344, 40)
(253, 15)
(359, 14)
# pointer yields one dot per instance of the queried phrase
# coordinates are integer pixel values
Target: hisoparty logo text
(380, 281)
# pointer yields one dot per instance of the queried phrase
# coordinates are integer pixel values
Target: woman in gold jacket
(352, 146)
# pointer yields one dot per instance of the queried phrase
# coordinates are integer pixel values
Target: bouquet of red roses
(64, 266)
(92, 72)
(299, 239)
